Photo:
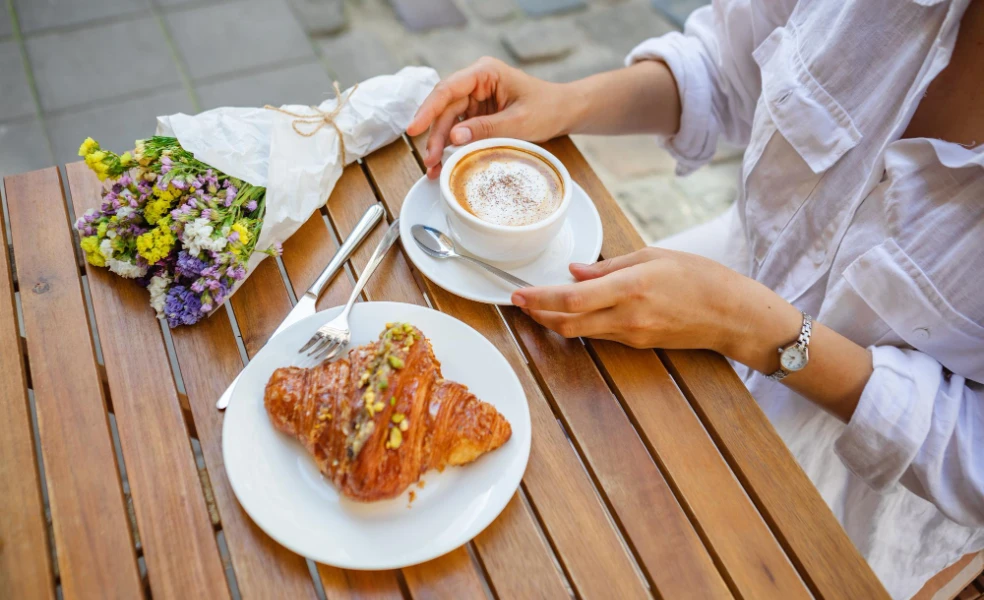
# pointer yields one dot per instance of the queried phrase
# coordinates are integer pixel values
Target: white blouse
(880, 238)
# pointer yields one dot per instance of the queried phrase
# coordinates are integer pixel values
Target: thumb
(583, 272)
(498, 124)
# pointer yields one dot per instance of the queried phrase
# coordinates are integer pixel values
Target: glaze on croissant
(379, 419)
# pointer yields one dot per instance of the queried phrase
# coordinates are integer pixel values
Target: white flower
(111, 233)
(125, 269)
(198, 236)
(106, 248)
(124, 212)
(158, 292)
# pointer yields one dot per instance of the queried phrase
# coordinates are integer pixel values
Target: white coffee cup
(506, 244)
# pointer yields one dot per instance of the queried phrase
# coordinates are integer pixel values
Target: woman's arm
(909, 421)
(656, 298)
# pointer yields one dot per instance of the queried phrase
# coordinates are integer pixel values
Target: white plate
(579, 241)
(280, 487)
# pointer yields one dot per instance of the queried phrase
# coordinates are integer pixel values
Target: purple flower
(211, 272)
(198, 286)
(117, 188)
(179, 183)
(207, 214)
(278, 248)
(237, 272)
(182, 306)
(251, 205)
(126, 180)
(189, 266)
(234, 237)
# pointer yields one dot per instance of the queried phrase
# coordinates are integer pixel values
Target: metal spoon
(438, 245)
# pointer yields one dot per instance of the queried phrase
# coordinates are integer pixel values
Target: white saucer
(579, 241)
(279, 485)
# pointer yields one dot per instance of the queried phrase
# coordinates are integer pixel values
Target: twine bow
(319, 120)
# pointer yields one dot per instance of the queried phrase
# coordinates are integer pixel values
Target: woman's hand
(495, 100)
(647, 299)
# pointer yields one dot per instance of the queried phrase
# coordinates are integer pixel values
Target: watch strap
(803, 340)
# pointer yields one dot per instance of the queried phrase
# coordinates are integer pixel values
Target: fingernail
(462, 135)
(427, 153)
(519, 300)
(580, 265)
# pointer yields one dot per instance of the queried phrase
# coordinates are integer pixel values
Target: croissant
(380, 418)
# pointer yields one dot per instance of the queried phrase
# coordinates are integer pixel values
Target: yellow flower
(239, 228)
(155, 209)
(239, 248)
(101, 230)
(126, 159)
(90, 245)
(156, 243)
(88, 147)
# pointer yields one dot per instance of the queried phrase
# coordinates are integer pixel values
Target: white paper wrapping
(260, 145)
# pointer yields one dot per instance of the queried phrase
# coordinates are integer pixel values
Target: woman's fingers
(590, 324)
(583, 272)
(479, 79)
(440, 129)
(574, 298)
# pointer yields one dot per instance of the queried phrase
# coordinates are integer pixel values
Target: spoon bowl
(437, 244)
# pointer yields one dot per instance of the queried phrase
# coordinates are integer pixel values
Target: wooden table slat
(511, 544)
(95, 549)
(751, 558)
(559, 488)
(669, 548)
(787, 499)
(208, 358)
(25, 560)
(176, 533)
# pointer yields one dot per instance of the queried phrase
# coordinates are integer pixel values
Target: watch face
(793, 358)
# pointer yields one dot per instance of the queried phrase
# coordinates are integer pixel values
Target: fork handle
(389, 238)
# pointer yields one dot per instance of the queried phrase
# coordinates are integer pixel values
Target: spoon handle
(516, 281)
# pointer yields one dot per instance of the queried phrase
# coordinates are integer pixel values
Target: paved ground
(105, 68)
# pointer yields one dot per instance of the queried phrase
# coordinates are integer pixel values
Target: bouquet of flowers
(191, 212)
(182, 229)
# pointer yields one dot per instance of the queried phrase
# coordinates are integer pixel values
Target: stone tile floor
(107, 68)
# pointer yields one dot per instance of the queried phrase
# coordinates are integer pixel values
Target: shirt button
(921, 333)
(784, 96)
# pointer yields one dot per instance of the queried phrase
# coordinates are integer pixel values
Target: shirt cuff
(893, 417)
(694, 145)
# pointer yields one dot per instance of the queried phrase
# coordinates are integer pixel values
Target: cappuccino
(506, 186)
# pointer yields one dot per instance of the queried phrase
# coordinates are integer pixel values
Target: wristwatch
(796, 355)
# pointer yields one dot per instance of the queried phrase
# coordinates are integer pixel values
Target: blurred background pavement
(106, 68)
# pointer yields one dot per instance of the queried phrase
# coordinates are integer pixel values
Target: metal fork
(332, 337)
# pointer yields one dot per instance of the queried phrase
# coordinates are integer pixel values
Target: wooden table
(650, 474)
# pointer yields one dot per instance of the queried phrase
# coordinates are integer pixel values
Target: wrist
(575, 97)
(759, 323)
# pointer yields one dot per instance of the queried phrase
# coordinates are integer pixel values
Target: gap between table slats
(25, 559)
(93, 541)
(177, 537)
(800, 520)
(515, 527)
(559, 489)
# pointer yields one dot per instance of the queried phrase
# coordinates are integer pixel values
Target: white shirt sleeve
(920, 426)
(717, 78)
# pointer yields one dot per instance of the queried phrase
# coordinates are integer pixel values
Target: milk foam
(510, 192)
